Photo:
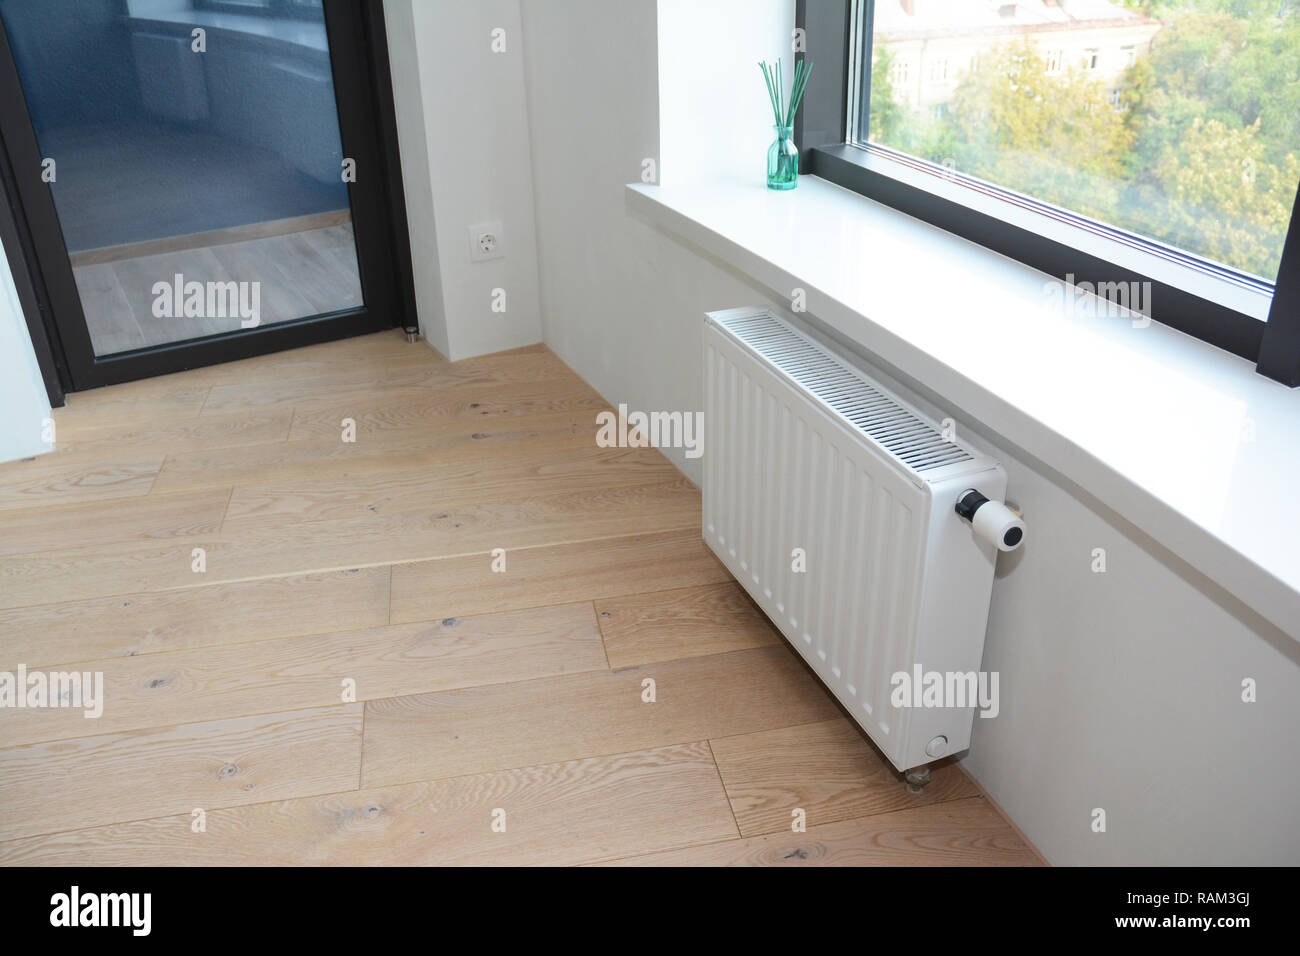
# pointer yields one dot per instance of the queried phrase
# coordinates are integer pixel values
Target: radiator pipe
(991, 520)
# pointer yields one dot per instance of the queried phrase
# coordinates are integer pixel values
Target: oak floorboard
(556, 814)
(284, 294)
(110, 319)
(143, 518)
(494, 406)
(562, 718)
(112, 778)
(962, 833)
(687, 622)
(137, 277)
(317, 458)
(313, 547)
(53, 480)
(314, 670)
(442, 486)
(586, 570)
(239, 429)
(363, 384)
(828, 769)
(129, 625)
(323, 362)
(150, 402)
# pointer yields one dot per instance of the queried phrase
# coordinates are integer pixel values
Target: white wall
(463, 134)
(620, 304)
(708, 54)
(1119, 690)
(24, 406)
(1123, 690)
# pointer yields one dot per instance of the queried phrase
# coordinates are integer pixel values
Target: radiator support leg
(917, 778)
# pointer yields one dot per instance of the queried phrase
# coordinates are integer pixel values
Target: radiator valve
(991, 520)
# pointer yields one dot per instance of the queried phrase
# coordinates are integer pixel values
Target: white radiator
(803, 451)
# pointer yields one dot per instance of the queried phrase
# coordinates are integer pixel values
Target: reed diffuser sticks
(783, 155)
(783, 112)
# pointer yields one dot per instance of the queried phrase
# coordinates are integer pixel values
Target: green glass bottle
(783, 160)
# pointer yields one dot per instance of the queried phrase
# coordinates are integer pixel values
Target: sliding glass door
(202, 178)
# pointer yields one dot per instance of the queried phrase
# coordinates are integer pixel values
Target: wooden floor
(349, 681)
(300, 273)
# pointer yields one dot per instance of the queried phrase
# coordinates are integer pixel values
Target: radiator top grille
(835, 383)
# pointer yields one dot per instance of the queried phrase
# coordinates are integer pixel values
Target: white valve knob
(991, 520)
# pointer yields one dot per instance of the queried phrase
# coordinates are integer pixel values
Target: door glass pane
(192, 149)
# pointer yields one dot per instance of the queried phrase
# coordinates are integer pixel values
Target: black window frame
(890, 177)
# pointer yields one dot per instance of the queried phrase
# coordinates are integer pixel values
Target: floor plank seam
(726, 794)
(432, 619)
(389, 617)
(226, 513)
(82, 664)
(600, 629)
(184, 814)
(335, 568)
(516, 768)
(361, 757)
(174, 725)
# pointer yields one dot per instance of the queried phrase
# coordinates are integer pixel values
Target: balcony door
(201, 180)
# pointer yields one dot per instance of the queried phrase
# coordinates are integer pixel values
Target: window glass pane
(1175, 119)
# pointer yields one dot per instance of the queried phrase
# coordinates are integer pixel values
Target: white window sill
(1154, 423)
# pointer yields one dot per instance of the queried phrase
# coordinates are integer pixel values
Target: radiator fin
(847, 392)
(767, 492)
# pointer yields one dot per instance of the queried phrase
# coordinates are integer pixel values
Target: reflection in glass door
(192, 153)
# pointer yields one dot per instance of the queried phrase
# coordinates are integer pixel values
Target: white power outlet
(485, 242)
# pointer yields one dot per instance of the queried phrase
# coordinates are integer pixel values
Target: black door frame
(368, 129)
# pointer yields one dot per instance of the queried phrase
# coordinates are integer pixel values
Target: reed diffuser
(783, 155)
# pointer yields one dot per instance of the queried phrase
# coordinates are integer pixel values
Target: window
(938, 70)
(1170, 154)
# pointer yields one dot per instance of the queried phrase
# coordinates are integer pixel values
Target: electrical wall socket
(485, 242)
